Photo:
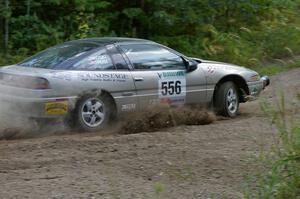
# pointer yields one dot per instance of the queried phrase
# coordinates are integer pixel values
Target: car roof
(103, 41)
(113, 40)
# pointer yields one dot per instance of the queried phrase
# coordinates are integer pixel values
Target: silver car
(90, 81)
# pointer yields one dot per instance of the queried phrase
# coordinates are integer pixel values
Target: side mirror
(190, 64)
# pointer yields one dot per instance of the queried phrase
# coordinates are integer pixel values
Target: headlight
(254, 78)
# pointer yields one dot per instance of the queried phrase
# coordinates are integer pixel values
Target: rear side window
(99, 60)
(152, 57)
(117, 58)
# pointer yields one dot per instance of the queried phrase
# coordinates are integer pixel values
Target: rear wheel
(226, 100)
(93, 113)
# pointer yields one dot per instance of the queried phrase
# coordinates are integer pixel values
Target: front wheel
(93, 113)
(226, 101)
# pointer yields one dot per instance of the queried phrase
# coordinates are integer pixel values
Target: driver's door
(160, 76)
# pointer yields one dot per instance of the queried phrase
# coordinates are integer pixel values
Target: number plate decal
(172, 87)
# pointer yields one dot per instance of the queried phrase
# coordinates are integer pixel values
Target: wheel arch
(239, 81)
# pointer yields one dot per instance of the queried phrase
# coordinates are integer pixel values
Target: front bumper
(36, 107)
(266, 81)
(256, 87)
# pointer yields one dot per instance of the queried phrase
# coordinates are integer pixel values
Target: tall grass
(279, 174)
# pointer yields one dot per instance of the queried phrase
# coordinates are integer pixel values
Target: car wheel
(227, 100)
(93, 113)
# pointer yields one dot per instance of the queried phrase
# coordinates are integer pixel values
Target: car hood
(227, 66)
(213, 62)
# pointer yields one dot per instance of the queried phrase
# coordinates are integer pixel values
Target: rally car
(90, 81)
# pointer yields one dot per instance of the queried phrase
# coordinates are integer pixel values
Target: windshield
(56, 57)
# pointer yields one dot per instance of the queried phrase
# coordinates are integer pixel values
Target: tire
(93, 113)
(226, 101)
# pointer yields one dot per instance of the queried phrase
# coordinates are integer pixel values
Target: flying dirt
(185, 161)
(151, 119)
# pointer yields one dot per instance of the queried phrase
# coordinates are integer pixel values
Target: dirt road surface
(207, 161)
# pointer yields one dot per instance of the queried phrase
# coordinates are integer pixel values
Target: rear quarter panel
(77, 83)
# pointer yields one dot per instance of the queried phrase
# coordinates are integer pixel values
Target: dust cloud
(14, 125)
(15, 122)
(164, 116)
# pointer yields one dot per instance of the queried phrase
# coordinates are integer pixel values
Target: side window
(117, 58)
(99, 60)
(152, 57)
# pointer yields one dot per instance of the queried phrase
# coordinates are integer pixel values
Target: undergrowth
(246, 33)
(278, 171)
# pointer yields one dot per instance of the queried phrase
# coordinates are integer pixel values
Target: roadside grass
(159, 188)
(277, 173)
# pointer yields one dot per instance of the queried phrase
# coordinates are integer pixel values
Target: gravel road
(207, 161)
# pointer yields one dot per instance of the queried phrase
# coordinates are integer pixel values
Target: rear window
(59, 57)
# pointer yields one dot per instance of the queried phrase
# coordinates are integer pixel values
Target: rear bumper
(36, 107)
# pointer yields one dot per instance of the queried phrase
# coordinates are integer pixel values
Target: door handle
(138, 79)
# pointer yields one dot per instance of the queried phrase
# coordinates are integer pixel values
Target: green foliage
(239, 31)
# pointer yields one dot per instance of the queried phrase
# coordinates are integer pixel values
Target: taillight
(38, 83)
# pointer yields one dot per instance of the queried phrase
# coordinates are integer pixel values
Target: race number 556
(171, 88)
(172, 84)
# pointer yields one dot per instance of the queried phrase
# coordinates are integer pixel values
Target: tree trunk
(28, 8)
(2, 28)
(142, 4)
(6, 28)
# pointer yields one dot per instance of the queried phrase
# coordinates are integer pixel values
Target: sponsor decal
(56, 108)
(172, 87)
(128, 107)
(61, 76)
(104, 77)
(172, 101)
(211, 69)
(97, 60)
